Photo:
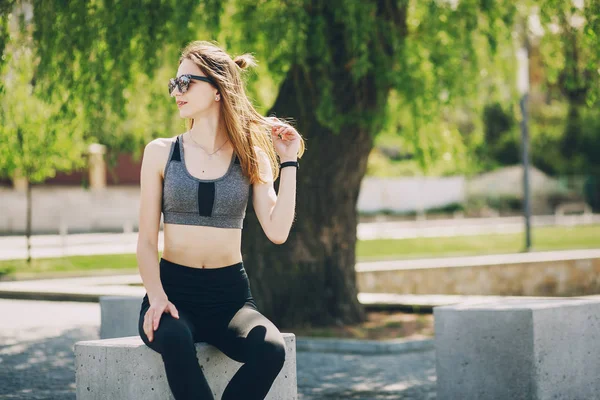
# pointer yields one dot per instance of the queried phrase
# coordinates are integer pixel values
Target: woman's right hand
(152, 318)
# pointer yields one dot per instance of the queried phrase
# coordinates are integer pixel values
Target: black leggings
(215, 306)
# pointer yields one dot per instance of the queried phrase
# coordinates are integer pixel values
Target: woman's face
(200, 96)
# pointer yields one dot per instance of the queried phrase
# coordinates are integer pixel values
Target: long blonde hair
(245, 127)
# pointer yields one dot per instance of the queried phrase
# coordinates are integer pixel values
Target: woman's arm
(275, 212)
(149, 219)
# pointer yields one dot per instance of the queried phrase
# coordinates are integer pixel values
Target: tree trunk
(310, 279)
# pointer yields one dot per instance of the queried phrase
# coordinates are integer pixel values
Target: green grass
(73, 265)
(549, 238)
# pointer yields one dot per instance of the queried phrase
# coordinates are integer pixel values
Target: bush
(447, 209)
(503, 203)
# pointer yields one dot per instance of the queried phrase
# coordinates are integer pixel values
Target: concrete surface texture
(514, 349)
(125, 368)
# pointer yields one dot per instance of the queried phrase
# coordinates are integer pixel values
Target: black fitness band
(289, 164)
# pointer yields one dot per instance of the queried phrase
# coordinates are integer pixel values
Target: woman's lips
(181, 103)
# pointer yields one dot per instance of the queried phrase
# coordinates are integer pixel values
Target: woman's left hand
(286, 141)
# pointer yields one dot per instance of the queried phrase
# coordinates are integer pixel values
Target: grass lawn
(547, 238)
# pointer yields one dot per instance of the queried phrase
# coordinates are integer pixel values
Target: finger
(287, 132)
(173, 311)
(277, 135)
(284, 134)
(148, 318)
(149, 332)
(156, 319)
(147, 329)
(291, 131)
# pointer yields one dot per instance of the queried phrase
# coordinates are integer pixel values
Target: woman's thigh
(246, 335)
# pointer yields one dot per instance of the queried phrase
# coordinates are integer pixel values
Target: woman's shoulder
(161, 142)
(159, 146)
(157, 151)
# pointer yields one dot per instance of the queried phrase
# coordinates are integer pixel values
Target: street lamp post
(523, 88)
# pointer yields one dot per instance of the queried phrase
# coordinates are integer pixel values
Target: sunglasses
(183, 82)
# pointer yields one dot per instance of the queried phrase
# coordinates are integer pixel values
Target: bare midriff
(202, 246)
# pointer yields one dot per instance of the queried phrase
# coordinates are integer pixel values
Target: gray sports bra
(217, 202)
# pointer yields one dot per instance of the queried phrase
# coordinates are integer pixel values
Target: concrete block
(125, 368)
(518, 349)
(119, 316)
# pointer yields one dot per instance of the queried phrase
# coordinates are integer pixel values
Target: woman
(200, 180)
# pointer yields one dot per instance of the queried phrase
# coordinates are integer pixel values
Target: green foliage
(109, 55)
(36, 141)
(423, 51)
(571, 50)
(423, 70)
(5, 7)
(581, 141)
(502, 142)
(546, 129)
(504, 203)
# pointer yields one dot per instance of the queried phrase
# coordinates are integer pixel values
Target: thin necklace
(209, 154)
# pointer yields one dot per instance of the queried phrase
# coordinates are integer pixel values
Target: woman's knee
(269, 353)
(273, 353)
(171, 333)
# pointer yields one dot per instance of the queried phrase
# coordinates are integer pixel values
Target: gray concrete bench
(119, 316)
(125, 368)
(518, 349)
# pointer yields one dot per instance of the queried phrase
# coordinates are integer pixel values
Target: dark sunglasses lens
(184, 83)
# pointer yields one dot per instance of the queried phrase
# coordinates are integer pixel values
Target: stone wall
(575, 275)
(77, 209)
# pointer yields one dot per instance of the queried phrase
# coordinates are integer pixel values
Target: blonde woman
(200, 180)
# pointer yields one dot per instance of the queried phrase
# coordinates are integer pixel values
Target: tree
(571, 56)
(36, 142)
(333, 65)
(346, 59)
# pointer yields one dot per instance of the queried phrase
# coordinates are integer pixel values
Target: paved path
(14, 247)
(37, 360)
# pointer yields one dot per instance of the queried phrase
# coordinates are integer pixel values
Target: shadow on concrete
(34, 366)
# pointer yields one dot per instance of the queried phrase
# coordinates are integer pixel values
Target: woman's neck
(206, 133)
